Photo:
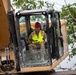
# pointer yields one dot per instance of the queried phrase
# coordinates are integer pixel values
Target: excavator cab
(50, 24)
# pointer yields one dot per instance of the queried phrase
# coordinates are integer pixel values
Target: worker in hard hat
(37, 40)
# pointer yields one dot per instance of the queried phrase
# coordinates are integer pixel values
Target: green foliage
(32, 4)
(69, 13)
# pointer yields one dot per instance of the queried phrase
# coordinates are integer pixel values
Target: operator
(37, 40)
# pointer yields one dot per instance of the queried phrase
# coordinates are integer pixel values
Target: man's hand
(45, 40)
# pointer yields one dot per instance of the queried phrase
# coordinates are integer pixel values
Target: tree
(32, 4)
(69, 13)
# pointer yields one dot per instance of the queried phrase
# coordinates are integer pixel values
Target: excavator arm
(4, 30)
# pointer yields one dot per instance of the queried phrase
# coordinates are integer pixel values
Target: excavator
(15, 56)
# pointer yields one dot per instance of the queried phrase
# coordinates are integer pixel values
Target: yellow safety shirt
(38, 38)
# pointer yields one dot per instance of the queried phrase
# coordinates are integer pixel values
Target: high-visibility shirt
(38, 38)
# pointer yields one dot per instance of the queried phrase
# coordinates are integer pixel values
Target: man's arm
(30, 37)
